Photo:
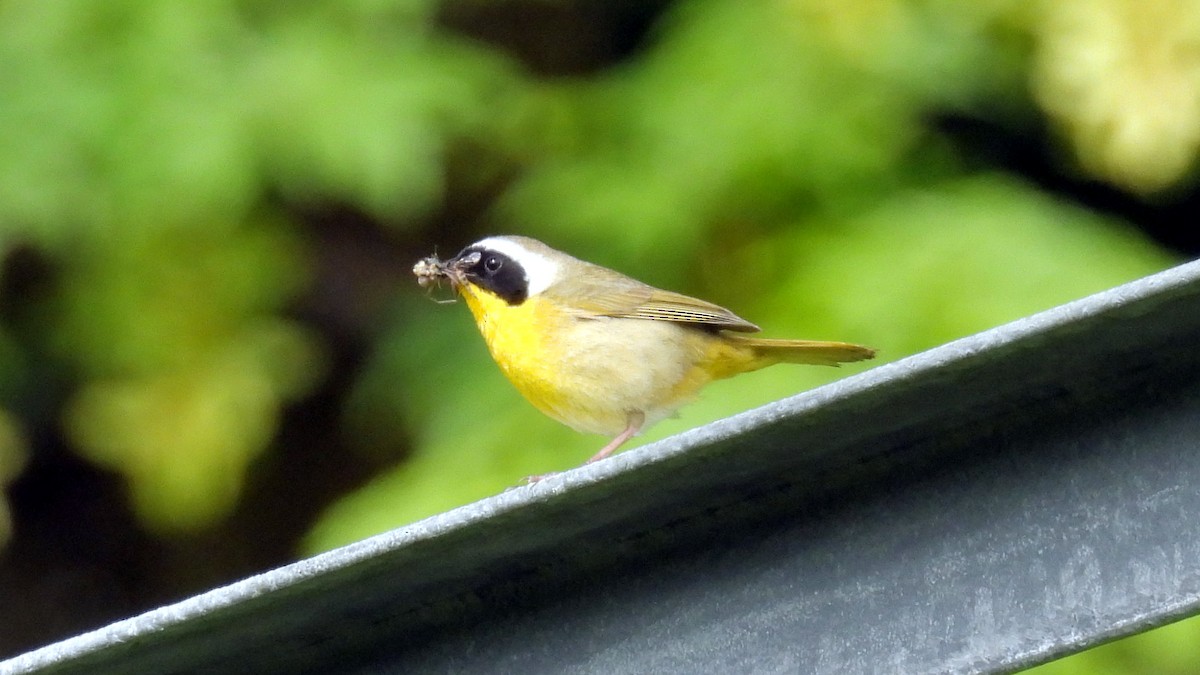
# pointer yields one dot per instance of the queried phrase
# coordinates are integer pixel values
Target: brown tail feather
(813, 352)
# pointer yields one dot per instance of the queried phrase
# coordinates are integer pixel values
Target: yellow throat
(516, 338)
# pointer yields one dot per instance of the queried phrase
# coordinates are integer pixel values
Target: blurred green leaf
(143, 146)
(1170, 650)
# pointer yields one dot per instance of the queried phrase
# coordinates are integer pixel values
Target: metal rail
(991, 504)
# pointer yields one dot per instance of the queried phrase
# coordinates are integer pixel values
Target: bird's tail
(813, 352)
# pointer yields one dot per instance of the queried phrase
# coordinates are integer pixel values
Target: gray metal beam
(1023, 493)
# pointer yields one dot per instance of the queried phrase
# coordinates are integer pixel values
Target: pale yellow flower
(1123, 79)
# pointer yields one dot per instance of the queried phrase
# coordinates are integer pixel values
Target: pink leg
(636, 420)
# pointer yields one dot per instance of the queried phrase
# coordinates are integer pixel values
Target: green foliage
(143, 145)
(775, 157)
(1169, 650)
(644, 147)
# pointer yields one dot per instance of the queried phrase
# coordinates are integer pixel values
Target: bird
(599, 351)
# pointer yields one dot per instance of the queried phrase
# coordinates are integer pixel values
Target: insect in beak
(430, 271)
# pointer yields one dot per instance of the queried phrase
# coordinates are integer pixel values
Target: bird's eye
(492, 264)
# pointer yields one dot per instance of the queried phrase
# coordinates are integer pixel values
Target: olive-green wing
(612, 294)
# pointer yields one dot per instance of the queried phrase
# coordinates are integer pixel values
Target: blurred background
(213, 356)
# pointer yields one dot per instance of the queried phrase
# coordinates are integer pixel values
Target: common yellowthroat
(597, 350)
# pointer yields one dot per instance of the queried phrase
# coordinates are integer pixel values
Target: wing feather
(606, 293)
